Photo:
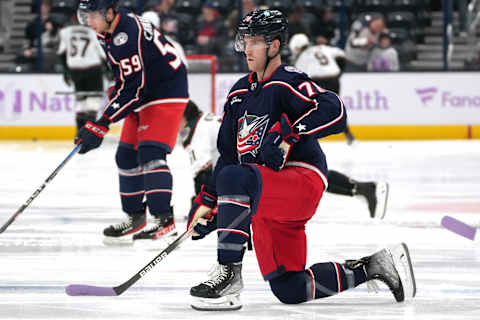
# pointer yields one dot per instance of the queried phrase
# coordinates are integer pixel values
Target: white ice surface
(58, 240)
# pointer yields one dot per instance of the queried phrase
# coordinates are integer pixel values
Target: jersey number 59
(166, 48)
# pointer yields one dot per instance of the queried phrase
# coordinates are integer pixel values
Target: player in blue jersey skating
(150, 94)
(269, 180)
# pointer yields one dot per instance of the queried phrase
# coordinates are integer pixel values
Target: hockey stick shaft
(81, 93)
(86, 290)
(40, 189)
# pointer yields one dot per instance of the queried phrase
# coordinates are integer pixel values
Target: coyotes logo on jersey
(251, 129)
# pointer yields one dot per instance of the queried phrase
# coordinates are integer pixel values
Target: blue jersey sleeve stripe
(112, 59)
(295, 92)
(237, 92)
(315, 103)
(326, 125)
(142, 84)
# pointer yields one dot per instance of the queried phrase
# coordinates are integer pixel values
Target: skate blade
(227, 303)
(403, 264)
(118, 242)
(381, 193)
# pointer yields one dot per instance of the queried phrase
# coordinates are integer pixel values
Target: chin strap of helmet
(269, 59)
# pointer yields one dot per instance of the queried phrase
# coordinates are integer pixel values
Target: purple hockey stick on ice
(459, 227)
(83, 290)
(86, 290)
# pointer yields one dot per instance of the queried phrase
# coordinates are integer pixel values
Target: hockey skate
(376, 194)
(393, 267)
(162, 227)
(221, 291)
(121, 233)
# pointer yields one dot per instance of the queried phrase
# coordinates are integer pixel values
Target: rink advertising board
(432, 105)
(379, 105)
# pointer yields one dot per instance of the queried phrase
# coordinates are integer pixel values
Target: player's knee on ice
(292, 287)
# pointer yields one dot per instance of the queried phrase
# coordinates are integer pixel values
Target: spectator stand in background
(212, 32)
(185, 19)
(403, 33)
(324, 26)
(384, 57)
(362, 39)
(41, 41)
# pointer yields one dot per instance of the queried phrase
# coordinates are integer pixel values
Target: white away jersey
(319, 61)
(203, 145)
(81, 46)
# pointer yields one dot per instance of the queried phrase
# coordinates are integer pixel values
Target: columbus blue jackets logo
(251, 129)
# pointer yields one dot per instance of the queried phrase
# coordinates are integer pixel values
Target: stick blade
(84, 290)
(459, 227)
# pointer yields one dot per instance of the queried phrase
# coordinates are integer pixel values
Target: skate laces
(122, 225)
(214, 269)
(218, 274)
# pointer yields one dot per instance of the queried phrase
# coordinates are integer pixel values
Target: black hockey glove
(90, 136)
(202, 206)
(277, 144)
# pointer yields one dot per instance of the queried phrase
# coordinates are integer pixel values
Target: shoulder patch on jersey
(120, 39)
(292, 69)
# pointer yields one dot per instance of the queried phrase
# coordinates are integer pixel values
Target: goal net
(201, 80)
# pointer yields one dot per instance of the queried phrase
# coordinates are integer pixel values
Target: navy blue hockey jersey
(252, 108)
(146, 67)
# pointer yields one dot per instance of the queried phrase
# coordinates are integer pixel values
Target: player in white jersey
(83, 59)
(322, 63)
(198, 134)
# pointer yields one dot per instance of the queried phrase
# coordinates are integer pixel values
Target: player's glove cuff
(285, 129)
(202, 205)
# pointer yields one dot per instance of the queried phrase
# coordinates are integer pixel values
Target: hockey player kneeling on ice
(150, 94)
(199, 131)
(269, 179)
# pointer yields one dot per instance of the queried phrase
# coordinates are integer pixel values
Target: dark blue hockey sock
(157, 180)
(330, 278)
(130, 179)
(319, 281)
(236, 185)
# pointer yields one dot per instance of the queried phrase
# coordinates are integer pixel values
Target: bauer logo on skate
(250, 133)
(149, 268)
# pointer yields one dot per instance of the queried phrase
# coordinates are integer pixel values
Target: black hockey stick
(37, 192)
(86, 290)
(82, 93)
